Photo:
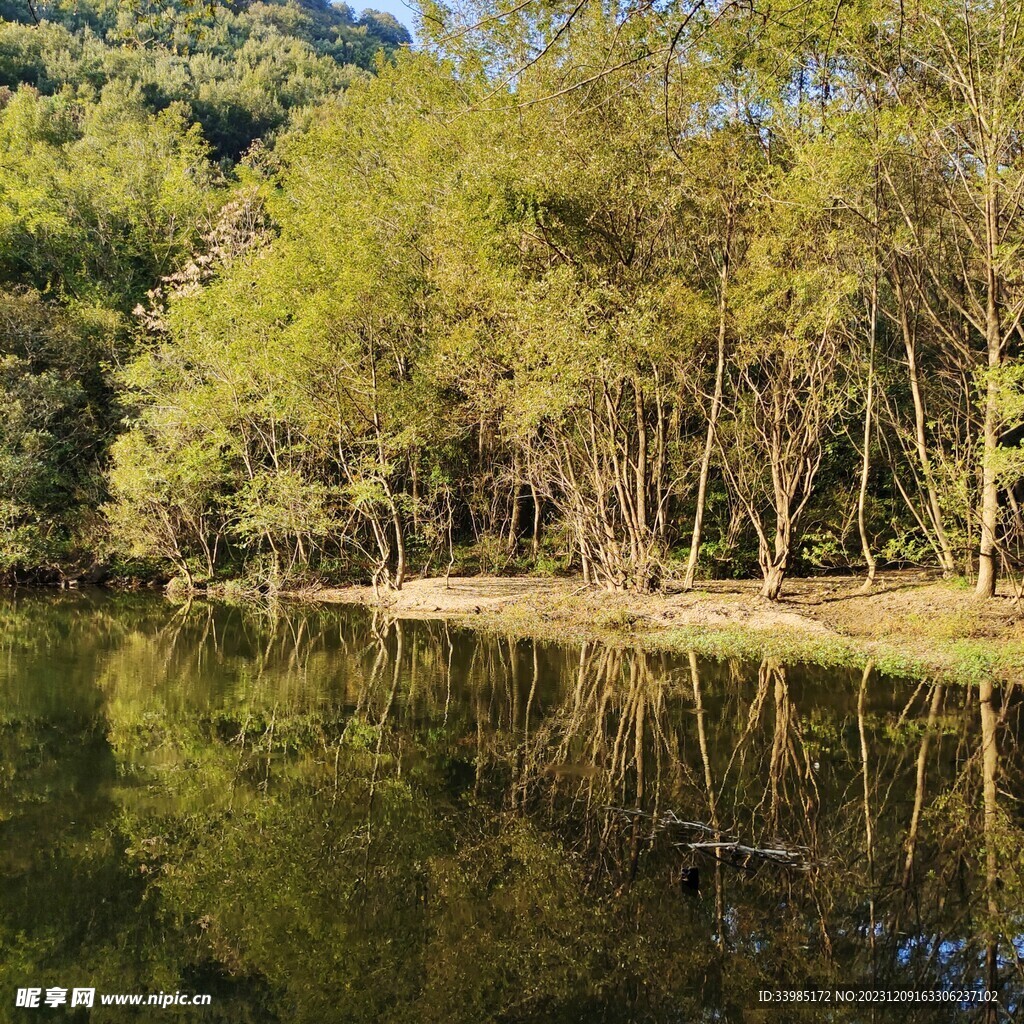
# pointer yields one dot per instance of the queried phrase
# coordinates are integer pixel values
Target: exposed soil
(713, 605)
(910, 618)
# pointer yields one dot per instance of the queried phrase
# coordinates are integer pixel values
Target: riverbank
(911, 623)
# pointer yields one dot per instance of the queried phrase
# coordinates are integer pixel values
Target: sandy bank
(911, 621)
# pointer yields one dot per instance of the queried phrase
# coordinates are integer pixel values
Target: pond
(315, 814)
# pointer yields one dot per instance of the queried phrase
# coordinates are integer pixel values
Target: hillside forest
(652, 292)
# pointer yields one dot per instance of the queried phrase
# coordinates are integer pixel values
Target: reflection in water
(316, 815)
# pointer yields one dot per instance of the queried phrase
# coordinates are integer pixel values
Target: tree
(967, 133)
(786, 369)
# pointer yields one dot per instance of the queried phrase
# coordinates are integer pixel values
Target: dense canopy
(647, 293)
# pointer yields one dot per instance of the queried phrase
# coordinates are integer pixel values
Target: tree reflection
(320, 815)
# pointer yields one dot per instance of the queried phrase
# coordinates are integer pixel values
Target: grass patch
(964, 661)
(912, 628)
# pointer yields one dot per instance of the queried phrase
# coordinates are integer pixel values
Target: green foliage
(317, 817)
(111, 118)
(98, 199)
(238, 69)
(388, 305)
(52, 423)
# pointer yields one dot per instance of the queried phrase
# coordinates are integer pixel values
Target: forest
(652, 292)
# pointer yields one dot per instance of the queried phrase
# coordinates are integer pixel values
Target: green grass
(964, 661)
(942, 644)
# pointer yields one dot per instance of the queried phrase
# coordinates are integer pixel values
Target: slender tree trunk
(709, 441)
(414, 479)
(396, 520)
(865, 466)
(513, 527)
(945, 551)
(640, 475)
(535, 539)
(989, 517)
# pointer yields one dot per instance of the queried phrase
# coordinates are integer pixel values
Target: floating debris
(716, 843)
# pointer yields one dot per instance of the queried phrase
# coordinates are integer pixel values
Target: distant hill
(238, 66)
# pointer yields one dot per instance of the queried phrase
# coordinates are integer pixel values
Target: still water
(314, 816)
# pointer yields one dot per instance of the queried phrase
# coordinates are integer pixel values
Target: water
(314, 816)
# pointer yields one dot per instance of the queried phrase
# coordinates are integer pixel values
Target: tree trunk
(989, 491)
(535, 539)
(865, 466)
(774, 564)
(773, 569)
(640, 470)
(771, 587)
(945, 552)
(513, 526)
(400, 544)
(989, 502)
(709, 441)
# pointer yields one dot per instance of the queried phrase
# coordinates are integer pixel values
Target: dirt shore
(911, 622)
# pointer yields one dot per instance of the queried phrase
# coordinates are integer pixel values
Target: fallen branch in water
(796, 857)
